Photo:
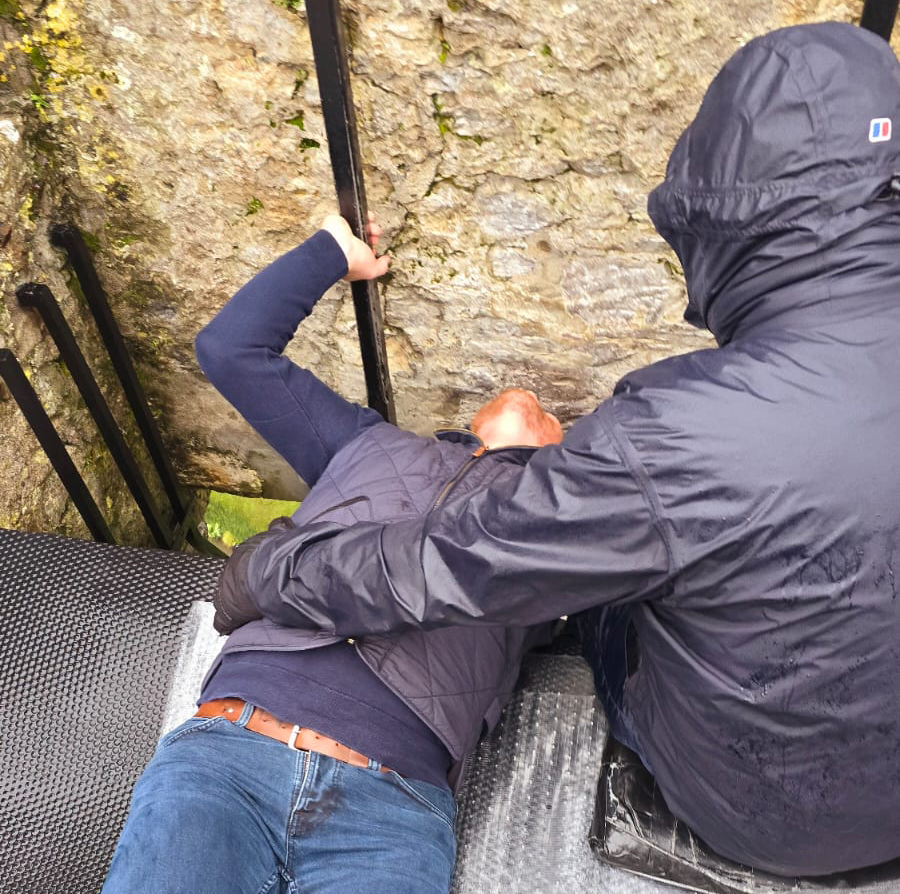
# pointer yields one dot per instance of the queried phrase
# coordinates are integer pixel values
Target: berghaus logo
(879, 130)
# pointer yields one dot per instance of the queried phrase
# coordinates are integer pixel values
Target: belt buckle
(292, 739)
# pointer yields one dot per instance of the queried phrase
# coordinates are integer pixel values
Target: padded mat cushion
(634, 830)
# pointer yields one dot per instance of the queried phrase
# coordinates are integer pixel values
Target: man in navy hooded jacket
(740, 505)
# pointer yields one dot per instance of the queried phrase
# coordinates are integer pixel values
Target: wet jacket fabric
(455, 680)
(744, 500)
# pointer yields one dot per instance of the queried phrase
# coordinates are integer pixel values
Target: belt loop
(246, 713)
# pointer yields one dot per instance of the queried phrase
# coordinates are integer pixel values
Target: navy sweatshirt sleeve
(241, 352)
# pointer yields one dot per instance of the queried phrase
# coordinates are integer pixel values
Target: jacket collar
(515, 454)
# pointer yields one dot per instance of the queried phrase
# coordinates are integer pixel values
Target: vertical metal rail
(40, 298)
(329, 45)
(52, 444)
(69, 239)
(879, 16)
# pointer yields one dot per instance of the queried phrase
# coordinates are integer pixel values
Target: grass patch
(231, 520)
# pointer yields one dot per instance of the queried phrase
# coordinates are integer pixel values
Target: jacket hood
(785, 177)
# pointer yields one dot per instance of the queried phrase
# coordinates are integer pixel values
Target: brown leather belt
(298, 737)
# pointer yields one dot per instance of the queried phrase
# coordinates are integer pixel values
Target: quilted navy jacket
(745, 500)
(359, 467)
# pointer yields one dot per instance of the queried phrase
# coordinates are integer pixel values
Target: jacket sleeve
(241, 353)
(576, 529)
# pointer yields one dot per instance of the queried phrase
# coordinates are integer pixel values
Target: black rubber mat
(89, 635)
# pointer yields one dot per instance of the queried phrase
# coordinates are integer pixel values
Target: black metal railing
(169, 530)
(38, 297)
(36, 416)
(879, 16)
(329, 44)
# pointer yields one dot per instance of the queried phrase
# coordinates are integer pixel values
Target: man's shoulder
(672, 373)
(383, 473)
(395, 449)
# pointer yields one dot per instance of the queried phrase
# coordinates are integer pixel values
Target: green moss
(444, 52)
(296, 121)
(445, 123)
(232, 519)
(40, 102)
(454, 5)
(671, 268)
(254, 206)
(38, 60)
(299, 80)
(141, 293)
(9, 9)
(91, 241)
(443, 120)
(307, 143)
(292, 5)
(546, 51)
(119, 190)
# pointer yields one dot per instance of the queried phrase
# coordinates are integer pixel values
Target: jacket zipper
(445, 491)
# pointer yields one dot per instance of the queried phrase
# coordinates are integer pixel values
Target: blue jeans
(222, 810)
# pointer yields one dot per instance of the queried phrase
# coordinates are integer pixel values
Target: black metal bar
(180, 533)
(187, 530)
(69, 238)
(329, 44)
(40, 298)
(201, 544)
(879, 16)
(36, 416)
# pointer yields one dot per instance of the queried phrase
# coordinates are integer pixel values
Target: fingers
(369, 267)
(373, 230)
(362, 262)
(381, 266)
(340, 229)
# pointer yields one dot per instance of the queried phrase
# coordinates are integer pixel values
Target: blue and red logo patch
(879, 130)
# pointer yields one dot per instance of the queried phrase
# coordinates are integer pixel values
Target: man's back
(772, 665)
(767, 687)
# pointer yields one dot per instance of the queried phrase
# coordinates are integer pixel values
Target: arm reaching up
(241, 349)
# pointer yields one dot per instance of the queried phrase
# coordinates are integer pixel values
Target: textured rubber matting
(89, 636)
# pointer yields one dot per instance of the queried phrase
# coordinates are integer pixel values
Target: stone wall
(509, 147)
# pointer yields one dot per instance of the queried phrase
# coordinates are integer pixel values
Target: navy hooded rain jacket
(745, 500)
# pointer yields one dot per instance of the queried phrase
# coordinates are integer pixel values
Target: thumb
(367, 268)
(381, 266)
